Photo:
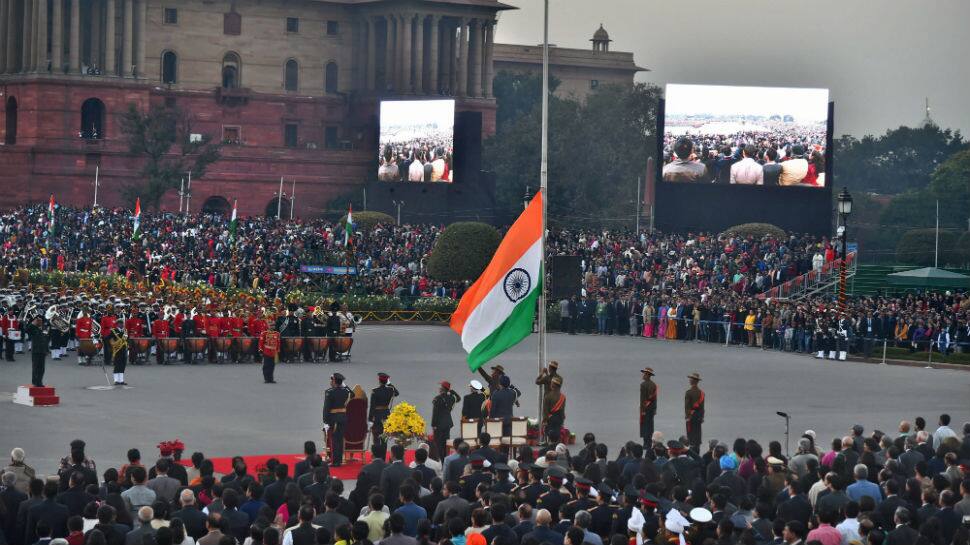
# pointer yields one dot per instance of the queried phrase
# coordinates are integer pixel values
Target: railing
(813, 281)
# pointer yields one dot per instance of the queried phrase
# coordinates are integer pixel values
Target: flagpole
(544, 189)
(96, 171)
(279, 199)
(292, 198)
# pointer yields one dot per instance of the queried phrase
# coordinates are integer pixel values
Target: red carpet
(257, 463)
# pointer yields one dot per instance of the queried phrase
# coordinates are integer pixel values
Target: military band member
(135, 327)
(441, 421)
(649, 391)
(554, 411)
(187, 332)
(694, 411)
(335, 416)
(213, 329)
(116, 344)
(546, 375)
(269, 347)
(11, 332)
(333, 330)
(82, 332)
(160, 330)
(380, 406)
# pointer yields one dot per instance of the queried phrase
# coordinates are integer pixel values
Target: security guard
(335, 415)
(380, 406)
(694, 411)
(648, 406)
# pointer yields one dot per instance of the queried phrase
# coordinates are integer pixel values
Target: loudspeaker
(567, 276)
(468, 146)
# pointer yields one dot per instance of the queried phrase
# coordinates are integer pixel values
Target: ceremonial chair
(469, 431)
(520, 434)
(493, 427)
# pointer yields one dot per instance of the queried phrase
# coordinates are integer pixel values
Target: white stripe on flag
(495, 307)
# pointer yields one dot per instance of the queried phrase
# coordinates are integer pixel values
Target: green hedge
(917, 246)
(756, 230)
(463, 250)
(367, 220)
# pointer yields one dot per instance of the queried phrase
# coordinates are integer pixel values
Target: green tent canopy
(929, 277)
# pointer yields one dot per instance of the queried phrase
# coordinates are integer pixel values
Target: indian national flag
(50, 216)
(349, 226)
(136, 231)
(498, 309)
(233, 222)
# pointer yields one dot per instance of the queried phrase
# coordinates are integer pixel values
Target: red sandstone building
(290, 87)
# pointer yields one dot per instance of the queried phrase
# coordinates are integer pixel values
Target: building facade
(291, 88)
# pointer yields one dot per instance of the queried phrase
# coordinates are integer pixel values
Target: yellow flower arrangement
(404, 423)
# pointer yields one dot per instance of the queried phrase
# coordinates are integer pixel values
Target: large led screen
(757, 136)
(416, 142)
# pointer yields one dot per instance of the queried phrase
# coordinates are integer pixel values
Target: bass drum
(167, 345)
(87, 347)
(343, 344)
(292, 345)
(196, 345)
(139, 345)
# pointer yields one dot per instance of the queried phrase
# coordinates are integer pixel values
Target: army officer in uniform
(380, 406)
(335, 416)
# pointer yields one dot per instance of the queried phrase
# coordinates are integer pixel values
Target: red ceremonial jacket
(269, 343)
(107, 324)
(213, 326)
(82, 329)
(135, 327)
(160, 328)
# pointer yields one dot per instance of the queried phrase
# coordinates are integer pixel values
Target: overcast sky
(880, 58)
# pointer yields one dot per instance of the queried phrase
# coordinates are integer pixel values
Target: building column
(399, 55)
(27, 36)
(409, 85)
(127, 28)
(371, 54)
(475, 57)
(110, 64)
(452, 62)
(434, 35)
(141, 25)
(3, 36)
(388, 82)
(489, 57)
(57, 37)
(11, 36)
(419, 54)
(75, 38)
(463, 58)
(96, 16)
(41, 57)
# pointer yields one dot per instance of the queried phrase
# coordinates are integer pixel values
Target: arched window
(284, 207)
(92, 119)
(331, 77)
(169, 67)
(231, 71)
(10, 137)
(216, 205)
(291, 76)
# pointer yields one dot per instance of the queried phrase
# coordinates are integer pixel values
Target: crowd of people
(782, 156)
(417, 159)
(711, 288)
(266, 254)
(876, 488)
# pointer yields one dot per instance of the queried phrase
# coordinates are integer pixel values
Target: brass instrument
(62, 319)
(28, 312)
(95, 329)
(119, 344)
(320, 315)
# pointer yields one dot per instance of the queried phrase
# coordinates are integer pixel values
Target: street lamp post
(527, 198)
(844, 209)
(398, 204)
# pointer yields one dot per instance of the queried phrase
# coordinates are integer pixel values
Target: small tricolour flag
(349, 227)
(233, 222)
(50, 215)
(497, 311)
(136, 230)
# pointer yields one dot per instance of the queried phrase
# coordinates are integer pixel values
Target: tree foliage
(162, 137)
(597, 149)
(463, 250)
(901, 160)
(366, 220)
(917, 247)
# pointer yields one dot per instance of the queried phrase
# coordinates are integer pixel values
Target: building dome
(601, 39)
(601, 35)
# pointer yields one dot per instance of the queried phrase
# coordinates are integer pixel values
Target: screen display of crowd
(768, 136)
(416, 142)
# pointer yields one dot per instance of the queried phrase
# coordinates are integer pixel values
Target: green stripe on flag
(515, 328)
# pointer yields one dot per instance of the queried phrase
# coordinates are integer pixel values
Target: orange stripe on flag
(521, 236)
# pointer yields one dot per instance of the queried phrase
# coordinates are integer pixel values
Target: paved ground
(224, 410)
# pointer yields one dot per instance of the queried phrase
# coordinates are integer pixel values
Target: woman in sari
(648, 314)
(672, 322)
(662, 321)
